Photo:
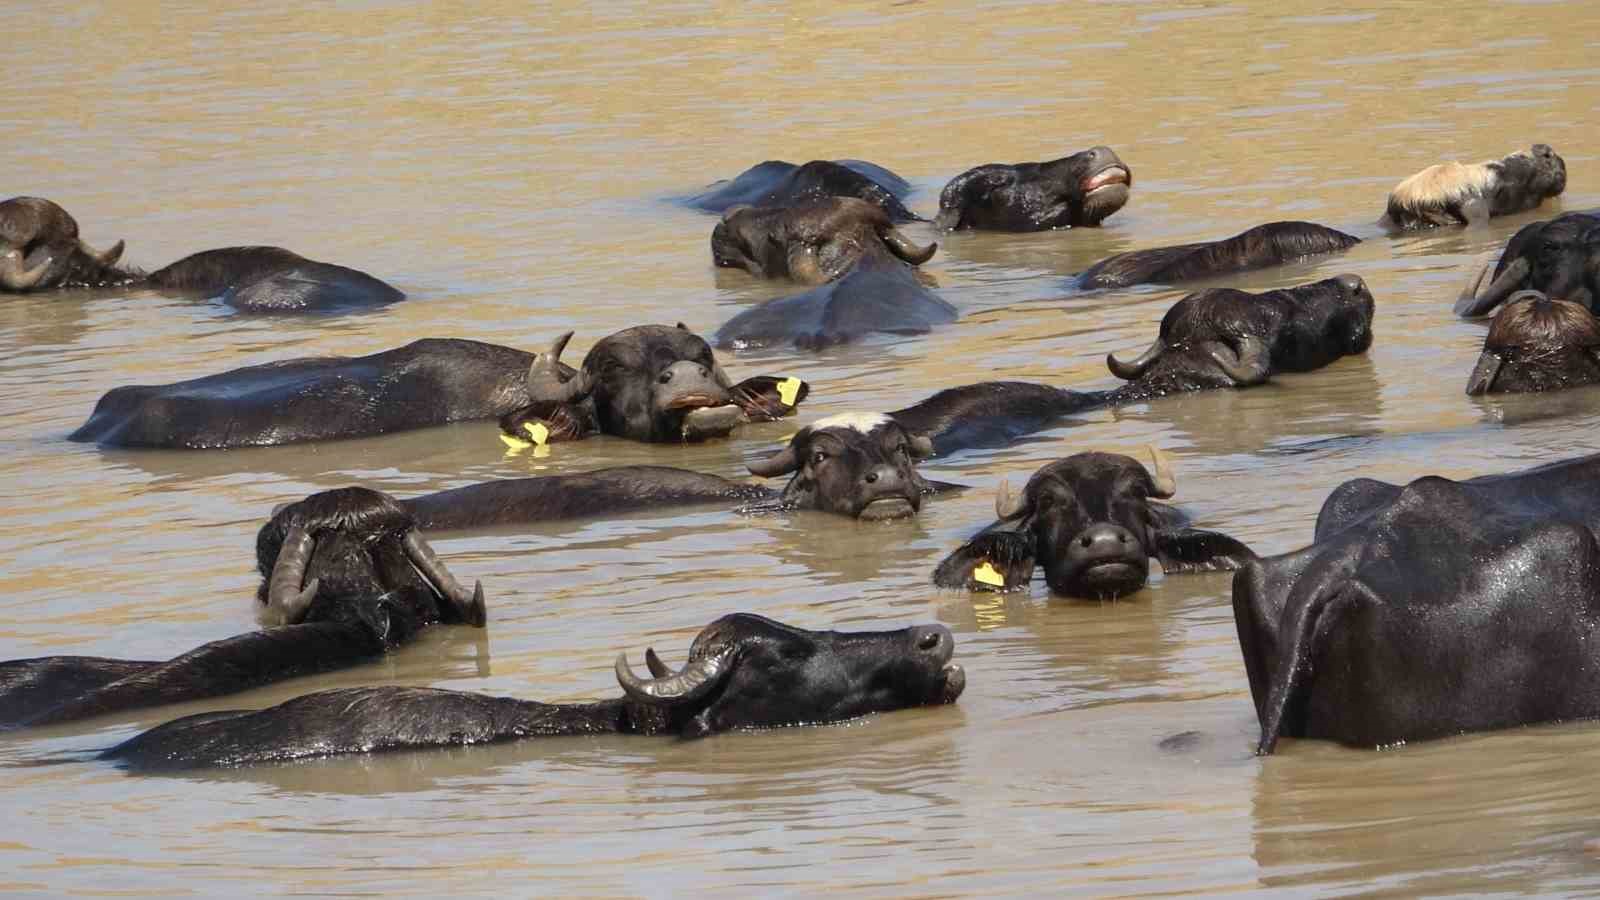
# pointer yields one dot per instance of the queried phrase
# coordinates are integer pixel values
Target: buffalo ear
(1193, 550)
(1006, 557)
(767, 397)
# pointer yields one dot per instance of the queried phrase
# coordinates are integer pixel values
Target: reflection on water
(509, 170)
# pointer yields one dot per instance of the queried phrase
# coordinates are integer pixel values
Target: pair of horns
(545, 384)
(1009, 506)
(14, 277)
(1472, 304)
(696, 679)
(1135, 367)
(289, 600)
(788, 459)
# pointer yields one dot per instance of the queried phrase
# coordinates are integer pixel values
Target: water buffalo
(345, 577)
(1537, 344)
(1081, 189)
(743, 672)
(1263, 246)
(1455, 193)
(1091, 522)
(858, 465)
(1558, 257)
(814, 242)
(1223, 337)
(647, 383)
(40, 250)
(992, 413)
(1434, 609)
(777, 183)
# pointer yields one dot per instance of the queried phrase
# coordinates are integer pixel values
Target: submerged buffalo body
(814, 242)
(1263, 246)
(1559, 258)
(992, 413)
(743, 672)
(1092, 522)
(1456, 193)
(40, 250)
(1537, 344)
(1433, 609)
(777, 183)
(1077, 190)
(876, 297)
(345, 577)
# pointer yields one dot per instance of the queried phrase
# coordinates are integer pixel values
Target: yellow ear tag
(788, 389)
(516, 446)
(988, 574)
(537, 431)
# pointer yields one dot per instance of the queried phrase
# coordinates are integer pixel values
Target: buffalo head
(860, 465)
(40, 249)
(813, 243)
(1537, 344)
(1076, 190)
(1559, 258)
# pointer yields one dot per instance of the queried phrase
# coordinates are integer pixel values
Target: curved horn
(108, 258)
(544, 376)
(1132, 369)
(1248, 366)
(1470, 307)
(781, 463)
(469, 605)
(1481, 381)
(15, 278)
(284, 594)
(903, 248)
(694, 681)
(803, 267)
(1166, 484)
(1007, 506)
(654, 664)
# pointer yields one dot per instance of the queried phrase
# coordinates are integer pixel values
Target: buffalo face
(1077, 190)
(329, 556)
(1090, 521)
(858, 465)
(659, 383)
(813, 243)
(1537, 344)
(1559, 258)
(746, 671)
(1528, 178)
(40, 249)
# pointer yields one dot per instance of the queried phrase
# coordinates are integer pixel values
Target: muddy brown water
(509, 167)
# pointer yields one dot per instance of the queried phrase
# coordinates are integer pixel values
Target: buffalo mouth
(1103, 580)
(952, 681)
(711, 420)
(886, 508)
(696, 400)
(1113, 176)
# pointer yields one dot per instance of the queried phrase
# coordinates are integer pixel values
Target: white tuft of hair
(862, 422)
(1444, 183)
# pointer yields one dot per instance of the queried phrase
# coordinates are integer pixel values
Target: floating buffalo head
(1457, 193)
(1559, 258)
(1230, 338)
(813, 243)
(1081, 189)
(857, 464)
(746, 671)
(354, 552)
(1092, 522)
(40, 249)
(1537, 344)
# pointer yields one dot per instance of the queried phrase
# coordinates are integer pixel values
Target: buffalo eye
(818, 457)
(664, 377)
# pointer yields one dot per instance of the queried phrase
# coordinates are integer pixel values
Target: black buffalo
(1434, 609)
(814, 242)
(743, 672)
(1537, 344)
(345, 577)
(1559, 257)
(40, 250)
(1223, 337)
(1077, 190)
(992, 413)
(876, 297)
(1092, 522)
(858, 465)
(777, 183)
(1456, 193)
(1263, 246)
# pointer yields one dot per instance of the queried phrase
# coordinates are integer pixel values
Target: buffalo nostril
(1085, 541)
(928, 641)
(872, 478)
(665, 377)
(1123, 537)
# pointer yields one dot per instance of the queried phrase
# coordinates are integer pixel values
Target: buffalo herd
(1418, 611)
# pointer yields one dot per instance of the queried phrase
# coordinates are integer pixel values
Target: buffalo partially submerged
(992, 413)
(1434, 609)
(1263, 246)
(40, 250)
(743, 672)
(1077, 190)
(815, 242)
(345, 577)
(1537, 344)
(1223, 337)
(647, 383)
(1558, 257)
(875, 297)
(1092, 521)
(858, 465)
(1455, 193)
(777, 183)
